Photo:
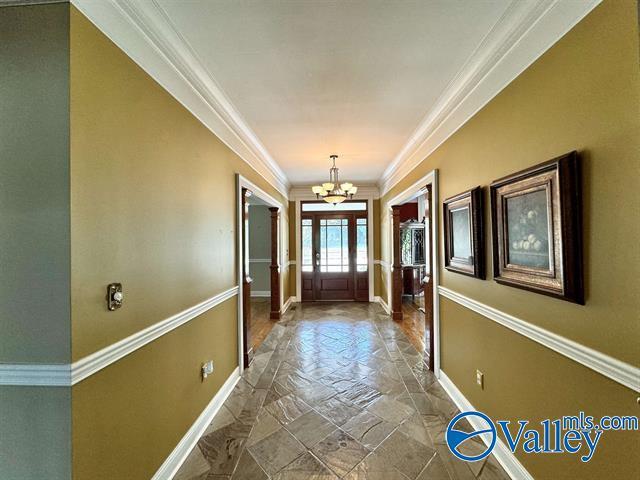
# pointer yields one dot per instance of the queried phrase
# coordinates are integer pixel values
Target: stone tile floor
(334, 391)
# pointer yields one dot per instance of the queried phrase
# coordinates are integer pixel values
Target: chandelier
(332, 191)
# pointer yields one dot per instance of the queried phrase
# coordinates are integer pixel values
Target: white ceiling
(382, 83)
(312, 78)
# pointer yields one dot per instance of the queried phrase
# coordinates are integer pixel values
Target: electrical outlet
(207, 369)
(480, 379)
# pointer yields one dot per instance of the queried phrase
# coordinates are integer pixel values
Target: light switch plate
(480, 379)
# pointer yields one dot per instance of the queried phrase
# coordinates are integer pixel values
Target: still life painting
(537, 229)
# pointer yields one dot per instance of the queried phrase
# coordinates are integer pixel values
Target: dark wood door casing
(274, 267)
(396, 273)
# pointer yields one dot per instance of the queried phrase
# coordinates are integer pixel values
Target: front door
(334, 256)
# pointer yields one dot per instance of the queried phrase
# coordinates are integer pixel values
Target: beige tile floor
(335, 391)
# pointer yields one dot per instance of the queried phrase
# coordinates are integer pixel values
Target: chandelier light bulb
(333, 191)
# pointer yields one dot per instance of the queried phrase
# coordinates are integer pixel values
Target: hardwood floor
(261, 324)
(413, 323)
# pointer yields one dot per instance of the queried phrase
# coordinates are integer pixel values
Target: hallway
(334, 391)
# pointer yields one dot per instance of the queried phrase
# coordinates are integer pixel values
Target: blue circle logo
(460, 441)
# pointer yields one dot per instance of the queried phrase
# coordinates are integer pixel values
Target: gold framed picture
(537, 229)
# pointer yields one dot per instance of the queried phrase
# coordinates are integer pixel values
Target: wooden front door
(334, 257)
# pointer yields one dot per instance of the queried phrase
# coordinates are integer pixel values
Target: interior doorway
(259, 266)
(413, 276)
(334, 251)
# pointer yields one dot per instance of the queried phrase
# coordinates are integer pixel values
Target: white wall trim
(179, 454)
(526, 30)
(384, 305)
(287, 304)
(617, 370)
(291, 262)
(242, 182)
(32, 375)
(259, 260)
(66, 375)
(501, 452)
(418, 188)
(260, 293)
(145, 32)
(102, 358)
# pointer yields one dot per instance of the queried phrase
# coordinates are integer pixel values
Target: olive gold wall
(583, 94)
(153, 206)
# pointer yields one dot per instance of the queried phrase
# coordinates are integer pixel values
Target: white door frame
(302, 194)
(242, 182)
(418, 188)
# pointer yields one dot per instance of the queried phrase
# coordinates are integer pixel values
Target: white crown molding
(501, 452)
(144, 31)
(527, 29)
(66, 375)
(617, 370)
(179, 454)
(303, 192)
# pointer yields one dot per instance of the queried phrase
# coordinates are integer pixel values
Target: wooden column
(396, 269)
(247, 348)
(274, 267)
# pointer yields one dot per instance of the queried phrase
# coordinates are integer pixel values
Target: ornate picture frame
(463, 233)
(536, 225)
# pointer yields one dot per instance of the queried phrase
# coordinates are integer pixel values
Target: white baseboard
(260, 293)
(173, 462)
(383, 303)
(287, 304)
(501, 452)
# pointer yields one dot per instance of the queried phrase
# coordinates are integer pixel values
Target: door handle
(318, 259)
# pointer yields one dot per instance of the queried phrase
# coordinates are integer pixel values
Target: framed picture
(463, 233)
(537, 229)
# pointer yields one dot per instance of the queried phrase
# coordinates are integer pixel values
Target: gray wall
(35, 433)
(34, 184)
(35, 422)
(259, 246)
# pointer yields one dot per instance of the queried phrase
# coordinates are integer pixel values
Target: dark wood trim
(247, 349)
(396, 269)
(274, 267)
(568, 209)
(476, 267)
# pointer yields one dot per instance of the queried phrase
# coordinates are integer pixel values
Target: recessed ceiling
(312, 78)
